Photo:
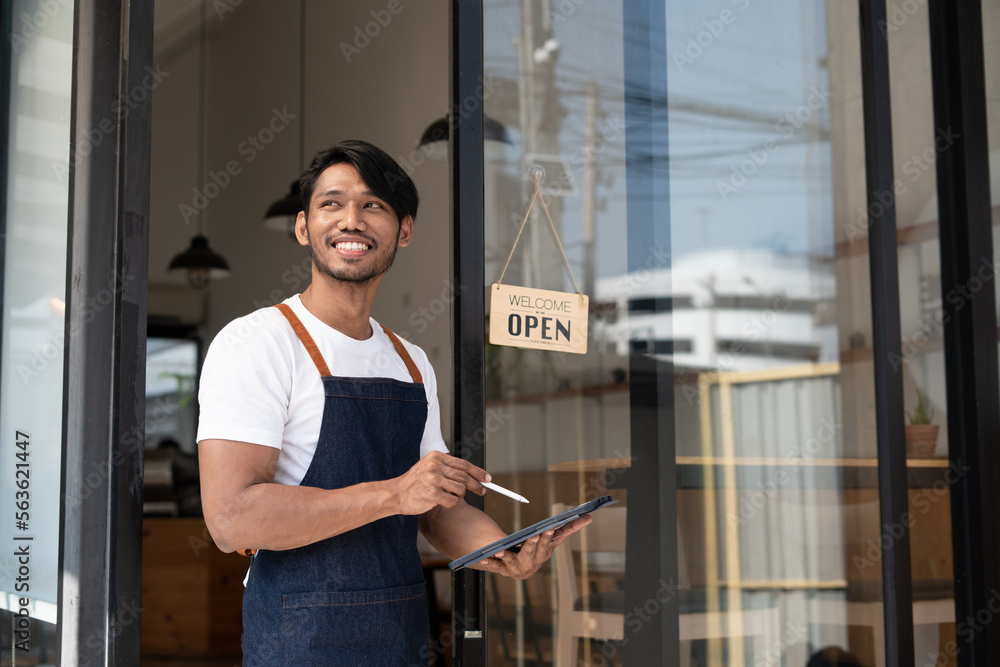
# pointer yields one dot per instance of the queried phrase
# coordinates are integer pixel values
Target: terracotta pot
(921, 440)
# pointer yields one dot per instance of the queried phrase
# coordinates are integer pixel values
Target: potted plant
(921, 434)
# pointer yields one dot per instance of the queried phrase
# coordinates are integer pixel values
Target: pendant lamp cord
(202, 102)
(302, 84)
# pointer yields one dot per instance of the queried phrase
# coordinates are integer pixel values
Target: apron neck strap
(317, 356)
(410, 366)
(307, 340)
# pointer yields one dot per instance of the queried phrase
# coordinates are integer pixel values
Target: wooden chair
(583, 614)
(600, 615)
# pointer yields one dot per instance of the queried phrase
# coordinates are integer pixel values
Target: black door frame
(466, 169)
(897, 588)
(968, 269)
(100, 559)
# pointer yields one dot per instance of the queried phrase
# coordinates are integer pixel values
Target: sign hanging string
(538, 195)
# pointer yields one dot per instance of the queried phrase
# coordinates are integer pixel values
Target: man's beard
(358, 274)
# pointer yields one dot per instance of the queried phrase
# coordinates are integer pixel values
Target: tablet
(515, 540)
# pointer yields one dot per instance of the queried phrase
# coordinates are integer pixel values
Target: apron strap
(307, 340)
(317, 357)
(410, 366)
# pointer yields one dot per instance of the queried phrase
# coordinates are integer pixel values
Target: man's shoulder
(263, 327)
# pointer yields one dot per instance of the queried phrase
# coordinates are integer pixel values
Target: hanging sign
(538, 319)
(535, 318)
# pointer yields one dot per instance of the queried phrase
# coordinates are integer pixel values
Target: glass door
(704, 166)
(75, 85)
(37, 86)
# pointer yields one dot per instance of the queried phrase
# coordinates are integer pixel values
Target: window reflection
(991, 56)
(759, 309)
(37, 77)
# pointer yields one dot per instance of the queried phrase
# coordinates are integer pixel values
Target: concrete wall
(390, 90)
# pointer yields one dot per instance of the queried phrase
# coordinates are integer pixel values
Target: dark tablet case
(515, 540)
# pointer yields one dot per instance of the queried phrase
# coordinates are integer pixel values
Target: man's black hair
(377, 169)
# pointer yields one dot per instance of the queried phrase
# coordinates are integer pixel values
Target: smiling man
(320, 444)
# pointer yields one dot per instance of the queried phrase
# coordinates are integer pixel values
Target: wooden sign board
(538, 319)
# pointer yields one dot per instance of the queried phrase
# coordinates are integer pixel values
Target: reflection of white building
(731, 310)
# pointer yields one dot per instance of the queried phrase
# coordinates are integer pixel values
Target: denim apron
(355, 598)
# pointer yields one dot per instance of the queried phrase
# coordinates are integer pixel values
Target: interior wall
(374, 70)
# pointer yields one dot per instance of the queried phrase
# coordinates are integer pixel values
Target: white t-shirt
(259, 385)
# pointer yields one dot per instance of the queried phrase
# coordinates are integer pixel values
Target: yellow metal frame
(729, 462)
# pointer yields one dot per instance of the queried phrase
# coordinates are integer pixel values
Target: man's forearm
(244, 509)
(279, 516)
(457, 530)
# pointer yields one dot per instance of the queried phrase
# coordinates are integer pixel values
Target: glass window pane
(770, 237)
(991, 56)
(759, 310)
(559, 92)
(34, 292)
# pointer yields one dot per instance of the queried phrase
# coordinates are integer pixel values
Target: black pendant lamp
(434, 140)
(201, 262)
(281, 215)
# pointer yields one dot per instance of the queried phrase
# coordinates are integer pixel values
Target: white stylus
(509, 494)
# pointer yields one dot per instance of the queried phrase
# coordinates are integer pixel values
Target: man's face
(352, 234)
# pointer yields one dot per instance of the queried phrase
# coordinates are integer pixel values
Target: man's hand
(533, 553)
(458, 530)
(437, 480)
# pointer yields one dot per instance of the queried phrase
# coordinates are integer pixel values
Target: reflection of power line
(571, 76)
(572, 82)
(708, 192)
(736, 150)
(694, 108)
(613, 155)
